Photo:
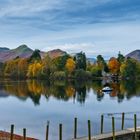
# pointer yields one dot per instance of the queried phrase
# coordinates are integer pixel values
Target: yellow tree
(70, 65)
(35, 69)
(114, 65)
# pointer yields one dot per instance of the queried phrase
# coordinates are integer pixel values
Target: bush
(96, 72)
(82, 75)
(58, 75)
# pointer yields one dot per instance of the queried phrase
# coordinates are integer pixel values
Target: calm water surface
(30, 104)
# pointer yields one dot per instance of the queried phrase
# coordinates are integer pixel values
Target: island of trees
(69, 67)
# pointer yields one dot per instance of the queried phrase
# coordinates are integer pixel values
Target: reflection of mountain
(63, 91)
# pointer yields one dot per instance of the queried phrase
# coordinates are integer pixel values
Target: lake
(30, 104)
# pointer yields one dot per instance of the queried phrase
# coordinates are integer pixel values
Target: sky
(93, 26)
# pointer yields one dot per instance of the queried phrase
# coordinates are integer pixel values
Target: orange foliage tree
(114, 65)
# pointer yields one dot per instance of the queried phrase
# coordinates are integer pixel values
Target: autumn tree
(35, 70)
(70, 65)
(16, 68)
(11, 68)
(22, 67)
(60, 62)
(114, 65)
(48, 66)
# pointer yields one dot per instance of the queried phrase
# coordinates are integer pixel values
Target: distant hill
(91, 60)
(134, 54)
(55, 53)
(24, 51)
(4, 49)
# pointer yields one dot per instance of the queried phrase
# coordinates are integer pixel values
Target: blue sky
(93, 26)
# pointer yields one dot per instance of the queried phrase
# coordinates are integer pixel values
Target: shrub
(58, 75)
(82, 75)
(96, 72)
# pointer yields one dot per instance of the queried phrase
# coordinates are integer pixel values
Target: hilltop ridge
(134, 54)
(23, 51)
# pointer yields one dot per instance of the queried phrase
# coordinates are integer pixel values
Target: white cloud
(28, 7)
(68, 25)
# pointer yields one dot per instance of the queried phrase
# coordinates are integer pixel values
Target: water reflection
(65, 91)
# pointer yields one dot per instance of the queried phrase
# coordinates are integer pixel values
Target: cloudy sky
(93, 26)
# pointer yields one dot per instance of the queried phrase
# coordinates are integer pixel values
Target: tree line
(69, 67)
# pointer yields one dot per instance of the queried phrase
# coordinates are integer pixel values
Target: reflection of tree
(18, 89)
(120, 97)
(35, 98)
(70, 91)
(131, 88)
(97, 86)
(81, 94)
(34, 89)
(116, 89)
(100, 95)
(59, 92)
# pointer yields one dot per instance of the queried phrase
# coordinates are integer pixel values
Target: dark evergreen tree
(61, 61)
(102, 64)
(35, 56)
(120, 58)
(80, 59)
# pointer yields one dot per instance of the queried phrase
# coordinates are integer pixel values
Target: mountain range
(24, 51)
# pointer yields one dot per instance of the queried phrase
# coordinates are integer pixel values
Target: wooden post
(12, 132)
(60, 131)
(135, 125)
(47, 130)
(24, 133)
(122, 120)
(89, 130)
(102, 123)
(75, 128)
(113, 128)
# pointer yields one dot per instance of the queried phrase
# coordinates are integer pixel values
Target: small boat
(106, 89)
